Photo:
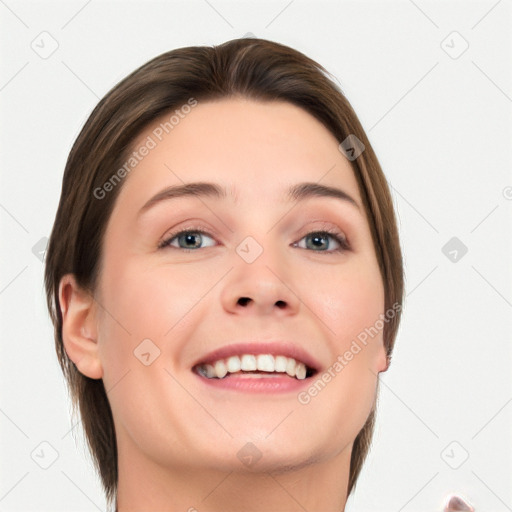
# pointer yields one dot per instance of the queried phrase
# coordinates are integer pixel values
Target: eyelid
(196, 228)
(333, 231)
(329, 227)
(325, 227)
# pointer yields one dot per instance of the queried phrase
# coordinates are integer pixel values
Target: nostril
(243, 301)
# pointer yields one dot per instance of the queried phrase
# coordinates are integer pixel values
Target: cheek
(353, 300)
(149, 300)
(350, 301)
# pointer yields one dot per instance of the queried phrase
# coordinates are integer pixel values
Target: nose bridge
(260, 279)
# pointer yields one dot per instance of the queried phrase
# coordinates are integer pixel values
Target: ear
(383, 360)
(79, 330)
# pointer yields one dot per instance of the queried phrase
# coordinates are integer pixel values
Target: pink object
(458, 504)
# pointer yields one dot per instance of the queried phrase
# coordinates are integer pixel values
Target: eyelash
(339, 237)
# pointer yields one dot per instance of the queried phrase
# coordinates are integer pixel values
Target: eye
(190, 238)
(319, 240)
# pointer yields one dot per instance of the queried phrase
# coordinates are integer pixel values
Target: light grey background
(440, 123)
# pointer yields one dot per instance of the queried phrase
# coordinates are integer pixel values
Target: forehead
(255, 149)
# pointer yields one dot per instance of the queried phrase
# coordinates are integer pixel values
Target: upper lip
(276, 348)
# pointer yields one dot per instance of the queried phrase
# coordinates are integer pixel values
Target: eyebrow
(298, 192)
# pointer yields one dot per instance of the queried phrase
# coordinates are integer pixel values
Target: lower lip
(277, 383)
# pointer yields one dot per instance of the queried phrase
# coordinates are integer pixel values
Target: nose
(263, 287)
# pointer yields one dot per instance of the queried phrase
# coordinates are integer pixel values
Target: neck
(145, 485)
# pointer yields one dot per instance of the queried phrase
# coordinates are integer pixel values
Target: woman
(225, 280)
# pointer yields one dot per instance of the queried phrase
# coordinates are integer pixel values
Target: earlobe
(383, 360)
(386, 365)
(79, 331)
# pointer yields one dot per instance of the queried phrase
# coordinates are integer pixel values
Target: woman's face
(261, 279)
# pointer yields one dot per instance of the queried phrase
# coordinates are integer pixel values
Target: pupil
(189, 238)
(316, 239)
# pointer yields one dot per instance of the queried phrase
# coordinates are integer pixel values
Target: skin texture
(177, 437)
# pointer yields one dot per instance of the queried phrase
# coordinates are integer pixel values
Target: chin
(265, 457)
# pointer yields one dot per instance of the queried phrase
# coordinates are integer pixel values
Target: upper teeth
(250, 362)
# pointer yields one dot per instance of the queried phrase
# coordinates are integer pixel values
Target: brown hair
(256, 69)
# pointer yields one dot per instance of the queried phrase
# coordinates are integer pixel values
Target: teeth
(234, 364)
(209, 371)
(300, 371)
(290, 367)
(265, 363)
(280, 363)
(250, 363)
(220, 369)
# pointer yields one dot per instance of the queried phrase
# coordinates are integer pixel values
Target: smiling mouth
(254, 366)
